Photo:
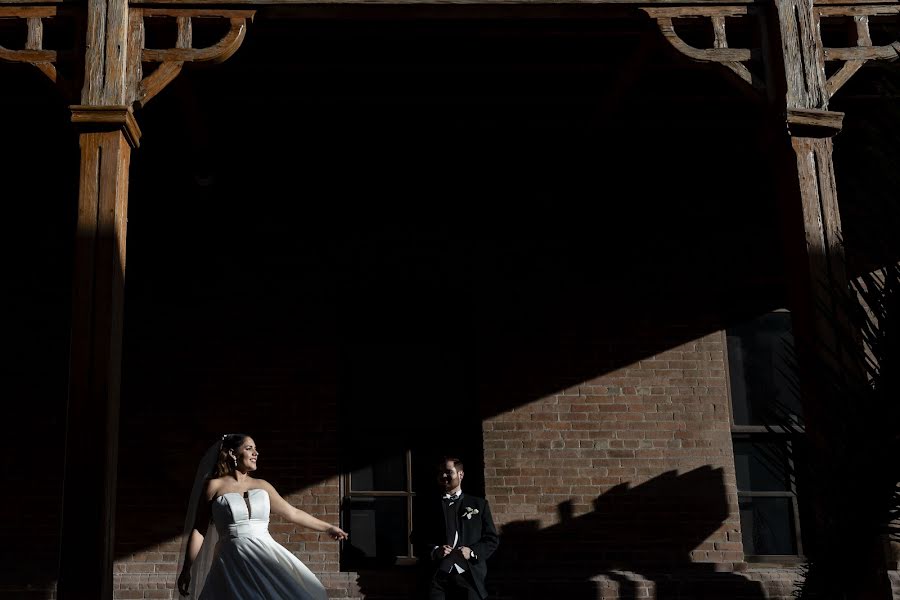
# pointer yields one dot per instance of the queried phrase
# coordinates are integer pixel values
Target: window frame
(347, 496)
(760, 433)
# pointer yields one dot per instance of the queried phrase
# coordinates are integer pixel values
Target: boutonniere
(470, 512)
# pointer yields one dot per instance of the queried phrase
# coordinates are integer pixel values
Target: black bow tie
(450, 498)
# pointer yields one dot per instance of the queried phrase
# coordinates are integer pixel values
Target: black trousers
(453, 586)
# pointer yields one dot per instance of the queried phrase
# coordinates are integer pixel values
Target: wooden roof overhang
(671, 17)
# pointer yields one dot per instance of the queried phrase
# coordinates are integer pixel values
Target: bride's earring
(235, 461)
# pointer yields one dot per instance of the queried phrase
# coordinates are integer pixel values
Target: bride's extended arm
(300, 517)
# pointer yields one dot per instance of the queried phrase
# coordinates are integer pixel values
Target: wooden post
(108, 131)
(817, 277)
(811, 218)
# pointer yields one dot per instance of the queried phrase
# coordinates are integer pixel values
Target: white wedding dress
(249, 564)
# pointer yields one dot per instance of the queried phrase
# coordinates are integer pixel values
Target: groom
(455, 536)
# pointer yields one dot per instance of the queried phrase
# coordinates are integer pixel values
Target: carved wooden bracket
(854, 57)
(171, 61)
(34, 52)
(731, 58)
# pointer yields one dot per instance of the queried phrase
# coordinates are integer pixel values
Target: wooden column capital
(813, 122)
(108, 118)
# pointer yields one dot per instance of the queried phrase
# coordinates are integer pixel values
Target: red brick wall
(666, 412)
(629, 470)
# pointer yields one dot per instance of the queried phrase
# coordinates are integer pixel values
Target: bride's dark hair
(225, 463)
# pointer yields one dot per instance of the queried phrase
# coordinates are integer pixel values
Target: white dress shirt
(458, 493)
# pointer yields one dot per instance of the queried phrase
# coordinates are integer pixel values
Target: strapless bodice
(234, 519)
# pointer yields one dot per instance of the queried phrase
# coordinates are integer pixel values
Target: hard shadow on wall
(650, 540)
(658, 540)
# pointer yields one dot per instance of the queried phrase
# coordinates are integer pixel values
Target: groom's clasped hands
(466, 552)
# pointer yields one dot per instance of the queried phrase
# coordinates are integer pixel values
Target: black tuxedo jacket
(476, 531)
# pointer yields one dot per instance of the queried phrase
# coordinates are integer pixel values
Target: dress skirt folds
(248, 563)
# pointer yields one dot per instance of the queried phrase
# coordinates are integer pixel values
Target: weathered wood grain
(26, 11)
(218, 52)
(810, 122)
(29, 56)
(134, 70)
(842, 76)
(202, 13)
(823, 238)
(89, 501)
(801, 55)
(851, 7)
(35, 39)
(862, 53)
(730, 58)
(855, 57)
(156, 82)
(34, 51)
(702, 54)
(109, 117)
(687, 12)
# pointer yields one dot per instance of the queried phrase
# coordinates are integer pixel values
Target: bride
(245, 563)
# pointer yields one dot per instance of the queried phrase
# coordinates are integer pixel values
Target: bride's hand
(337, 533)
(184, 582)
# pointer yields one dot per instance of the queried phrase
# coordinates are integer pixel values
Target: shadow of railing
(653, 537)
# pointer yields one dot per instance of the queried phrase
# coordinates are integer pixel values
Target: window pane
(761, 466)
(761, 369)
(379, 528)
(767, 525)
(388, 474)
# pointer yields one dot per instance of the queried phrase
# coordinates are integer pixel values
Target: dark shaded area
(38, 190)
(532, 202)
(867, 180)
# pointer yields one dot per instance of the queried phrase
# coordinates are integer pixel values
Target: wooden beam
(388, 3)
